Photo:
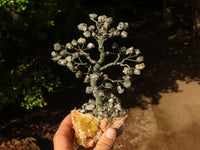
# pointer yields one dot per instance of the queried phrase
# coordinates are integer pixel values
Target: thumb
(107, 140)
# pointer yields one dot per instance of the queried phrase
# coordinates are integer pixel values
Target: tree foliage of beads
(76, 55)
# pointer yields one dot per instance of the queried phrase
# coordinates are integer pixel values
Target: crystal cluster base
(88, 129)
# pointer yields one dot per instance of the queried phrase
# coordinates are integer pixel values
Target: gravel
(111, 108)
(89, 106)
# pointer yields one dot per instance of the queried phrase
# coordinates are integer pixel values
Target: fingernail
(111, 133)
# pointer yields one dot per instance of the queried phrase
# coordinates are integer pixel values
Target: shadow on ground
(171, 54)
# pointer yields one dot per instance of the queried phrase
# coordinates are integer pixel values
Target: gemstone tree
(78, 55)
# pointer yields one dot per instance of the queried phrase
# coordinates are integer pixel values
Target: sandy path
(173, 124)
(178, 119)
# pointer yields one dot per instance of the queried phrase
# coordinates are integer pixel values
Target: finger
(64, 135)
(107, 140)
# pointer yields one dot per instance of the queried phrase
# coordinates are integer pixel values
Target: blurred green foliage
(28, 30)
(28, 82)
(19, 5)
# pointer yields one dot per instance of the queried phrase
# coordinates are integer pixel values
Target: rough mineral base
(88, 129)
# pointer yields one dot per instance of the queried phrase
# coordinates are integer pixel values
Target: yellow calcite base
(86, 127)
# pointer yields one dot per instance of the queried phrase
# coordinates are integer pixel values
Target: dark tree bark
(195, 4)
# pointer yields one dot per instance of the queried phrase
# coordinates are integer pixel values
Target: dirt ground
(178, 119)
(173, 124)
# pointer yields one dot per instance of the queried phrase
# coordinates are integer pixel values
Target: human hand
(63, 138)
